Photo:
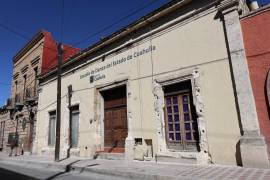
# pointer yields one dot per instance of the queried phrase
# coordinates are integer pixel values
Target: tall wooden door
(115, 120)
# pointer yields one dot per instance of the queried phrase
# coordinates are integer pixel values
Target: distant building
(172, 86)
(4, 115)
(256, 28)
(18, 116)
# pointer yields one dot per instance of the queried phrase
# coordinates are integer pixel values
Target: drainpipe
(70, 125)
(253, 5)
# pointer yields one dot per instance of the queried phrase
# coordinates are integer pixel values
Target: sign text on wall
(95, 73)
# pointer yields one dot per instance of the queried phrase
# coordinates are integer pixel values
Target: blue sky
(263, 2)
(81, 18)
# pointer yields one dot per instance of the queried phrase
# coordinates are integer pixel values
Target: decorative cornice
(227, 6)
(29, 45)
(243, 7)
(35, 61)
(16, 75)
(24, 69)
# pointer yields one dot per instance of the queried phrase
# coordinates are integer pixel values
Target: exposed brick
(257, 45)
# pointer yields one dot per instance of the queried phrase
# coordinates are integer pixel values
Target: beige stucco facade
(193, 49)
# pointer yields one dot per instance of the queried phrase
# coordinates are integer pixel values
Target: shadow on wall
(238, 155)
(221, 18)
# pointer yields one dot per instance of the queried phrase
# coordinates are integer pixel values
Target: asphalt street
(13, 172)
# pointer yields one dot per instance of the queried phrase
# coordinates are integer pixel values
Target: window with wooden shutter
(74, 126)
(52, 128)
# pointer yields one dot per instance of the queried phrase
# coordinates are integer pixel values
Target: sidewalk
(138, 170)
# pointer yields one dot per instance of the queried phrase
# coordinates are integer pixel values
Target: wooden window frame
(51, 114)
(183, 144)
(75, 109)
(194, 75)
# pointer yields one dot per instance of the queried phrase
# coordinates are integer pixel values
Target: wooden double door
(115, 120)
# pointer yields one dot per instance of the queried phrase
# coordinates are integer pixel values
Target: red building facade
(49, 56)
(256, 34)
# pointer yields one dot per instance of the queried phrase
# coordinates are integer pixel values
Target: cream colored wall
(46, 103)
(220, 112)
(181, 48)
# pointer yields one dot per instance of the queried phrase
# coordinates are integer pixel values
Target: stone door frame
(202, 156)
(99, 113)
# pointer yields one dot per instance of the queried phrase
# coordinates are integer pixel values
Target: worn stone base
(183, 157)
(129, 148)
(75, 152)
(254, 151)
(181, 160)
(140, 152)
(47, 151)
(111, 156)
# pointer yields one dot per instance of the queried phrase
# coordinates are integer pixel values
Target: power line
(115, 23)
(12, 30)
(89, 36)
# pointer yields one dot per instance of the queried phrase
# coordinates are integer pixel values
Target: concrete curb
(123, 174)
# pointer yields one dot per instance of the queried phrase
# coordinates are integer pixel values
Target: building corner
(253, 147)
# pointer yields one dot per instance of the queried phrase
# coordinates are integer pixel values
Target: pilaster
(129, 142)
(252, 144)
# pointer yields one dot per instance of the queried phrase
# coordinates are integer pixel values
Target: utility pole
(58, 108)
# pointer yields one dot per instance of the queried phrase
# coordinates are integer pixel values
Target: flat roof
(29, 45)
